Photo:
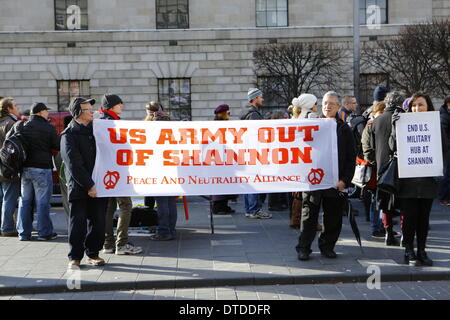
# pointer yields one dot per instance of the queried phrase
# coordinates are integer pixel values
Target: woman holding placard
(416, 199)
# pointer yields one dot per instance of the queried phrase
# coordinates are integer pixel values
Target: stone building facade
(209, 61)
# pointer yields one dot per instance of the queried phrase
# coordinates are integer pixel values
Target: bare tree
(300, 67)
(415, 60)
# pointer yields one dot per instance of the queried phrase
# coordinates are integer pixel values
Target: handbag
(388, 177)
(363, 173)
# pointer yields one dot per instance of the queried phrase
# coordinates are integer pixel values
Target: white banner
(156, 158)
(419, 145)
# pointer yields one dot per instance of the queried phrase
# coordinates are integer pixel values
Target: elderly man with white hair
(330, 199)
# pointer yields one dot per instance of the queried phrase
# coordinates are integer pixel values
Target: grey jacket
(250, 112)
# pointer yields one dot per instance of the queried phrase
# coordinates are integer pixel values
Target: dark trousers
(87, 227)
(416, 221)
(332, 205)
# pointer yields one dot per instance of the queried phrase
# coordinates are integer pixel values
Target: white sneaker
(128, 249)
(108, 250)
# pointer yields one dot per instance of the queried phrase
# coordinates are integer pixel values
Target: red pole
(186, 209)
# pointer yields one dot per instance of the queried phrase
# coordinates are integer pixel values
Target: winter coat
(78, 153)
(379, 134)
(346, 152)
(6, 123)
(366, 142)
(40, 138)
(251, 113)
(445, 121)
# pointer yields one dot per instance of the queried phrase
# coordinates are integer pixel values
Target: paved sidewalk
(428, 290)
(242, 252)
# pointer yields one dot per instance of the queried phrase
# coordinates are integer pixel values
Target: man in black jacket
(87, 212)
(40, 138)
(330, 199)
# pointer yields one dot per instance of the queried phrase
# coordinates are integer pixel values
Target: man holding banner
(87, 212)
(330, 199)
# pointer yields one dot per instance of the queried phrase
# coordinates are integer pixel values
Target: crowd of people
(364, 137)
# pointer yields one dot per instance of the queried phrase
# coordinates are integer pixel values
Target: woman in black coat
(416, 199)
(444, 195)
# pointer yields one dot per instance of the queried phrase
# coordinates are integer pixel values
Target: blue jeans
(252, 203)
(9, 194)
(167, 216)
(375, 215)
(37, 186)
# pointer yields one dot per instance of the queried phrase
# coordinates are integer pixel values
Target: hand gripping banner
(160, 158)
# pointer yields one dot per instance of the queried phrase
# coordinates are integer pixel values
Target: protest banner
(419, 145)
(155, 158)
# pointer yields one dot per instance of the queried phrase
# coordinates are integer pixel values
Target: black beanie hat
(110, 100)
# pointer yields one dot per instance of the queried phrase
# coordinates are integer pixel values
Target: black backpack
(12, 154)
(357, 123)
(141, 217)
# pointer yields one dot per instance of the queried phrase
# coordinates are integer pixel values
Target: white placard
(419, 145)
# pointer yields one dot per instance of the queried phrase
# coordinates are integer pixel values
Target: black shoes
(423, 258)
(330, 254)
(379, 234)
(411, 259)
(390, 238)
(303, 256)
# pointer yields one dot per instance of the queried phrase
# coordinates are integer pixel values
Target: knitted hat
(380, 93)
(307, 101)
(253, 93)
(110, 100)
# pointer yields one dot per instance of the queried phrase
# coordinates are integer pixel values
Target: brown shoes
(10, 234)
(74, 264)
(96, 261)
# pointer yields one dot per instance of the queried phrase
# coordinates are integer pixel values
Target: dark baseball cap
(110, 100)
(38, 107)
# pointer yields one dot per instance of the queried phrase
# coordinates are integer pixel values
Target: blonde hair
(295, 110)
(152, 107)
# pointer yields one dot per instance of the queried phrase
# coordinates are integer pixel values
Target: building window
(271, 13)
(172, 14)
(71, 15)
(68, 89)
(274, 96)
(174, 94)
(368, 82)
(372, 10)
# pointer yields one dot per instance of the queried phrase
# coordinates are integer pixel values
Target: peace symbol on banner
(315, 176)
(111, 179)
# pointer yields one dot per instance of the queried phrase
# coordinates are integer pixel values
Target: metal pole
(356, 49)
